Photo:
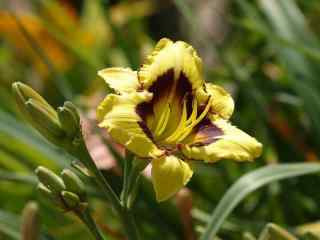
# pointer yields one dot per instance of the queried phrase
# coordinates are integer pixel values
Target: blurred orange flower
(9, 30)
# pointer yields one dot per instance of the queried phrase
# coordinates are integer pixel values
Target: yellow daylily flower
(166, 113)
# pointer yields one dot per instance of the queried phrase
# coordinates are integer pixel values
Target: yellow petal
(178, 56)
(169, 175)
(231, 143)
(117, 113)
(120, 79)
(222, 104)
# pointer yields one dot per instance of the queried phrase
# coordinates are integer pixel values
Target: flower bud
(73, 109)
(44, 121)
(70, 199)
(50, 180)
(38, 112)
(69, 119)
(81, 168)
(50, 196)
(30, 226)
(73, 183)
(23, 93)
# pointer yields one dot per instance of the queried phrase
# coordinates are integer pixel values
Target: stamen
(186, 125)
(194, 112)
(163, 121)
(198, 120)
(181, 124)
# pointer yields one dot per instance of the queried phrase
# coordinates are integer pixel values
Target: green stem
(125, 214)
(130, 225)
(89, 222)
(83, 155)
(128, 217)
(127, 167)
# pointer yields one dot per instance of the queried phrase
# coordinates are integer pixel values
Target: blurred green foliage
(266, 52)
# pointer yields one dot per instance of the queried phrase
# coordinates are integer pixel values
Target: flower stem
(129, 220)
(83, 155)
(125, 214)
(127, 167)
(89, 222)
(130, 225)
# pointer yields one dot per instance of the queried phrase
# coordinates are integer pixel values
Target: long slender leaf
(19, 139)
(249, 183)
(296, 47)
(9, 225)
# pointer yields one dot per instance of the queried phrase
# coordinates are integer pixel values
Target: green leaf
(249, 183)
(17, 138)
(9, 225)
(289, 23)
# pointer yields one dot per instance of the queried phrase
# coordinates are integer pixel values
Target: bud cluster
(66, 191)
(61, 126)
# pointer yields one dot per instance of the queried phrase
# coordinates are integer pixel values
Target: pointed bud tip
(18, 92)
(39, 169)
(23, 93)
(69, 120)
(16, 85)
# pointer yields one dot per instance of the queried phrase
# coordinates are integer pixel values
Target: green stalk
(126, 216)
(82, 153)
(130, 225)
(91, 225)
(127, 167)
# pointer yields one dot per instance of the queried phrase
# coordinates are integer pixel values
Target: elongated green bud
(38, 112)
(30, 226)
(79, 166)
(49, 179)
(274, 232)
(69, 105)
(73, 183)
(45, 122)
(70, 199)
(45, 192)
(69, 119)
(61, 127)
(23, 93)
(49, 195)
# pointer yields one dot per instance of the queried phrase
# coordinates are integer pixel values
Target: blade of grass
(249, 183)
(18, 178)
(9, 225)
(7, 161)
(21, 141)
(258, 25)
(288, 22)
